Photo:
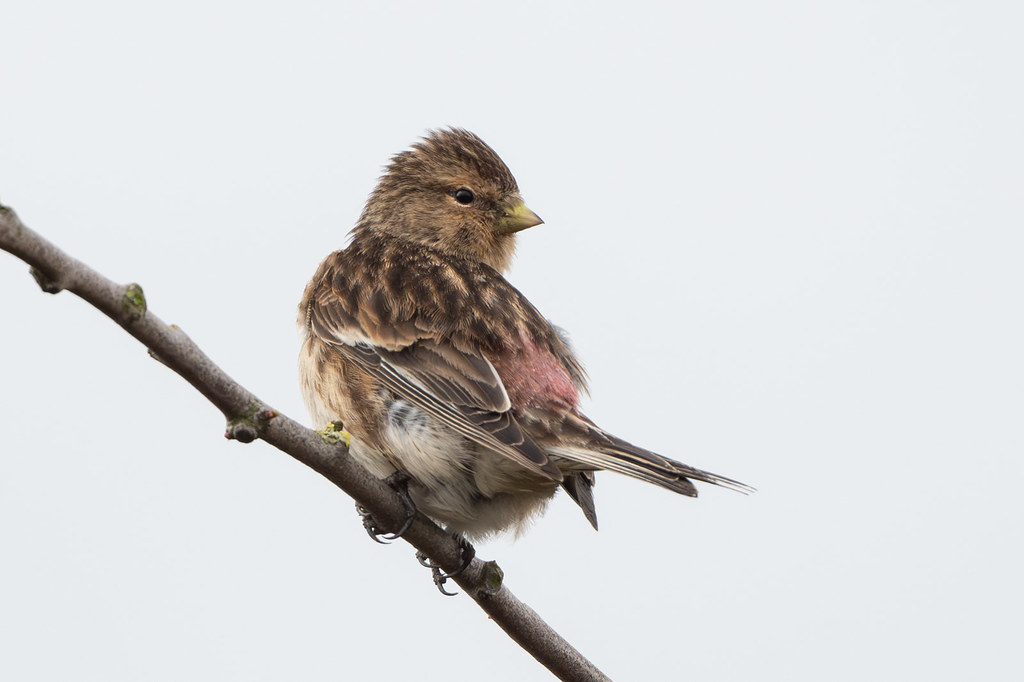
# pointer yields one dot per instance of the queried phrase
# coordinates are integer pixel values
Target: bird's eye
(464, 196)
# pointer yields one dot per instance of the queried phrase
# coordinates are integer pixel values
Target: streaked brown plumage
(438, 367)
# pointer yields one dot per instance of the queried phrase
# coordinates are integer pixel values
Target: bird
(442, 372)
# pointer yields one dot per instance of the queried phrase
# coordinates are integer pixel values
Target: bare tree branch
(249, 418)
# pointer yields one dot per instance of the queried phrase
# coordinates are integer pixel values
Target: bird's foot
(399, 482)
(335, 433)
(440, 577)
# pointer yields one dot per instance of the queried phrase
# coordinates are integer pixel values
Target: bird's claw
(370, 524)
(399, 482)
(440, 577)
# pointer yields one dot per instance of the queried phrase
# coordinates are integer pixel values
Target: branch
(249, 418)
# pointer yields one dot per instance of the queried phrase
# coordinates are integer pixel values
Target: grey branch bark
(249, 418)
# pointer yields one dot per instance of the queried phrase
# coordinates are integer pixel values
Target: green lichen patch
(133, 302)
(335, 433)
(492, 576)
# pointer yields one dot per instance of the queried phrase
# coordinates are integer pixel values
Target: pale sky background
(788, 241)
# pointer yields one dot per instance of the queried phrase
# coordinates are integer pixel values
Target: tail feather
(580, 487)
(605, 451)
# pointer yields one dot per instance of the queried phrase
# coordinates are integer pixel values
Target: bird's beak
(517, 218)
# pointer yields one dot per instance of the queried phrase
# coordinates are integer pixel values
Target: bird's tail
(602, 450)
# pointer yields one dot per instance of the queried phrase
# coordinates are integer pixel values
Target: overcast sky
(787, 239)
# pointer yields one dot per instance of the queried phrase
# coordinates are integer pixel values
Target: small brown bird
(441, 369)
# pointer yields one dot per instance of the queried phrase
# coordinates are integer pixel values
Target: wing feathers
(497, 431)
(460, 378)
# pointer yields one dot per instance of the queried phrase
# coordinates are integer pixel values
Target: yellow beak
(517, 218)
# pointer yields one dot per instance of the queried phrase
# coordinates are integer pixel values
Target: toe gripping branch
(440, 577)
(399, 482)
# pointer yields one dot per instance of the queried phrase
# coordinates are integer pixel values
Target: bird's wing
(459, 388)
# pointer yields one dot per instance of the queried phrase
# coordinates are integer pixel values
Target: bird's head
(451, 192)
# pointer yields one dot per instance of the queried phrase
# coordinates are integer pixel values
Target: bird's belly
(433, 455)
(468, 488)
